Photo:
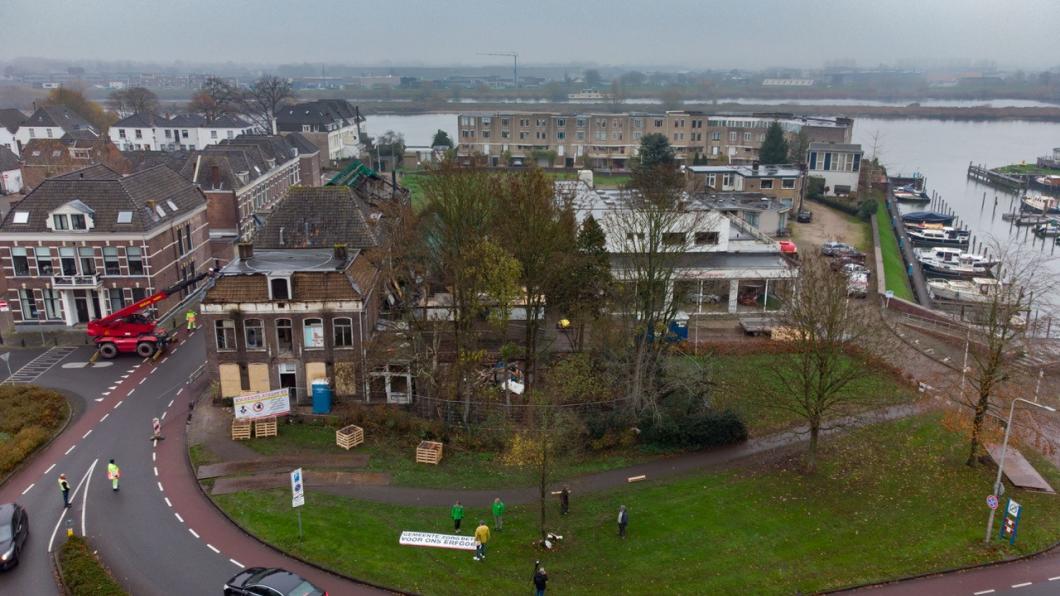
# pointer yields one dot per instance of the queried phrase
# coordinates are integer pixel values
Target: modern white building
(185, 132)
(10, 172)
(838, 163)
(10, 121)
(54, 122)
(333, 125)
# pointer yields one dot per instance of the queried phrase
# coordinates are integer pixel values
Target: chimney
(341, 253)
(281, 236)
(754, 165)
(246, 251)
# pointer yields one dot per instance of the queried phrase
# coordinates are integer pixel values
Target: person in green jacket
(498, 514)
(457, 513)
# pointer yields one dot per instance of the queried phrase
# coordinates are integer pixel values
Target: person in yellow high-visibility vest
(190, 318)
(113, 474)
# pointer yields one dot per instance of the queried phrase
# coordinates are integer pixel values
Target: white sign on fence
(297, 489)
(262, 405)
(437, 540)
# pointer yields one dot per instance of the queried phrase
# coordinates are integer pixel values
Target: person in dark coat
(623, 521)
(564, 500)
(540, 581)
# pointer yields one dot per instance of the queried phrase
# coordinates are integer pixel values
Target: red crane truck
(128, 331)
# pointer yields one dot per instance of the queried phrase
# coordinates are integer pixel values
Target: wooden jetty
(987, 176)
(1021, 219)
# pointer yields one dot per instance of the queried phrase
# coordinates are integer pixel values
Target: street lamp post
(1001, 459)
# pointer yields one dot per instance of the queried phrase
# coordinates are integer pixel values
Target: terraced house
(90, 242)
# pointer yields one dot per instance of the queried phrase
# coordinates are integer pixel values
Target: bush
(31, 415)
(83, 573)
(699, 430)
(866, 209)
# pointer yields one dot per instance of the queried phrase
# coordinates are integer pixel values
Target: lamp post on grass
(1001, 459)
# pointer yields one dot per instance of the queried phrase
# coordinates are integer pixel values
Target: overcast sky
(692, 33)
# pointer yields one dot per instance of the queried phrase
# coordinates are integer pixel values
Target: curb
(57, 568)
(38, 450)
(187, 461)
(940, 573)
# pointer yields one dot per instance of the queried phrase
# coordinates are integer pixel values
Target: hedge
(83, 573)
(31, 415)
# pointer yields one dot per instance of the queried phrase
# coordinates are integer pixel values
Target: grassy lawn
(1027, 168)
(413, 182)
(459, 468)
(733, 391)
(83, 573)
(893, 264)
(600, 180)
(767, 530)
(31, 416)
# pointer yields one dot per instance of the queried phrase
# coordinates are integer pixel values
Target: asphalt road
(158, 533)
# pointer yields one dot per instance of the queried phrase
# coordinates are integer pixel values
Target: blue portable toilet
(321, 396)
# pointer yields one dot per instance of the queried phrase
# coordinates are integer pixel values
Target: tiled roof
(142, 160)
(144, 120)
(229, 289)
(318, 217)
(8, 160)
(58, 116)
(143, 193)
(312, 285)
(304, 146)
(306, 286)
(81, 134)
(93, 172)
(197, 121)
(249, 154)
(320, 112)
(11, 118)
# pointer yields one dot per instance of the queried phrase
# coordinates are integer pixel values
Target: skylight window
(125, 217)
(160, 211)
(21, 217)
(172, 205)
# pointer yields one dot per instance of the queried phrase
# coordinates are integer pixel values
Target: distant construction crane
(515, 63)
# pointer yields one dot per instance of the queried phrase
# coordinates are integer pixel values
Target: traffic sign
(297, 489)
(991, 501)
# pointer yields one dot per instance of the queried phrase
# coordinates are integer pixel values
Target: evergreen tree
(774, 149)
(441, 139)
(655, 150)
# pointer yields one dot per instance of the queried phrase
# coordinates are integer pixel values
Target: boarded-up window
(229, 377)
(259, 377)
(314, 371)
(345, 378)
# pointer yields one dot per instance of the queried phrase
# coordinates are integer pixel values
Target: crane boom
(108, 325)
(515, 63)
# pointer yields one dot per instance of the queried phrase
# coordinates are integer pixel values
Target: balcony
(76, 282)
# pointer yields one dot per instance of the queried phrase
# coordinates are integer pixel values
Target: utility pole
(515, 63)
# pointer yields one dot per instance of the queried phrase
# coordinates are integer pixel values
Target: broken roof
(318, 217)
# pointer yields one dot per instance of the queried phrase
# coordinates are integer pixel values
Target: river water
(940, 150)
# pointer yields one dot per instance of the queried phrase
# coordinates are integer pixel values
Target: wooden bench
(240, 429)
(429, 452)
(265, 427)
(349, 437)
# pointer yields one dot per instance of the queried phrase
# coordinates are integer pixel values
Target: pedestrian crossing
(39, 365)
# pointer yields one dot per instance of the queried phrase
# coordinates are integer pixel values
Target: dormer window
(59, 222)
(77, 222)
(279, 288)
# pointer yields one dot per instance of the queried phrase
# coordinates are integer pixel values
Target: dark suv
(270, 581)
(14, 530)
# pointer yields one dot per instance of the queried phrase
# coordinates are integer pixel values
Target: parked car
(270, 581)
(833, 248)
(804, 216)
(858, 285)
(850, 269)
(14, 531)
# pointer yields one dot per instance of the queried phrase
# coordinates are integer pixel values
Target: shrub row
(699, 430)
(83, 573)
(31, 415)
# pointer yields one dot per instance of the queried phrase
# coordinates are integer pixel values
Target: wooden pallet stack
(241, 429)
(349, 437)
(429, 452)
(265, 427)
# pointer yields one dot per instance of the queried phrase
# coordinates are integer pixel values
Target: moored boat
(933, 217)
(975, 290)
(1051, 182)
(907, 194)
(944, 261)
(937, 235)
(1039, 203)
(1047, 229)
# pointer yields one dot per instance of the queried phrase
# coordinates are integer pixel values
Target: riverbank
(969, 113)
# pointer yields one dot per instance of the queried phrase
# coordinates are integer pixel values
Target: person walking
(190, 318)
(623, 521)
(482, 536)
(540, 580)
(564, 500)
(113, 474)
(457, 513)
(64, 486)
(498, 514)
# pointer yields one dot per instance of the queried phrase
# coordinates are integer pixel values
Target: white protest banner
(262, 405)
(437, 540)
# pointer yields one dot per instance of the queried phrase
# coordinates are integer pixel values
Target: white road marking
(112, 388)
(168, 503)
(84, 500)
(164, 360)
(142, 380)
(1053, 579)
(85, 436)
(1023, 585)
(193, 533)
(160, 487)
(153, 455)
(130, 392)
(50, 468)
(153, 371)
(62, 515)
(125, 376)
(236, 563)
(104, 417)
(163, 416)
(983, 592)
(105, 393)
(174, 351)
(70, 449)
(156, 470)
(120, 402)
(179, 518)
(28, 488)
(213, 548)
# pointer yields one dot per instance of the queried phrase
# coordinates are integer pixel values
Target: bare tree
(1000, 330)
(264, 98)
(216, 98)
(831, 338)
(134, 100)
